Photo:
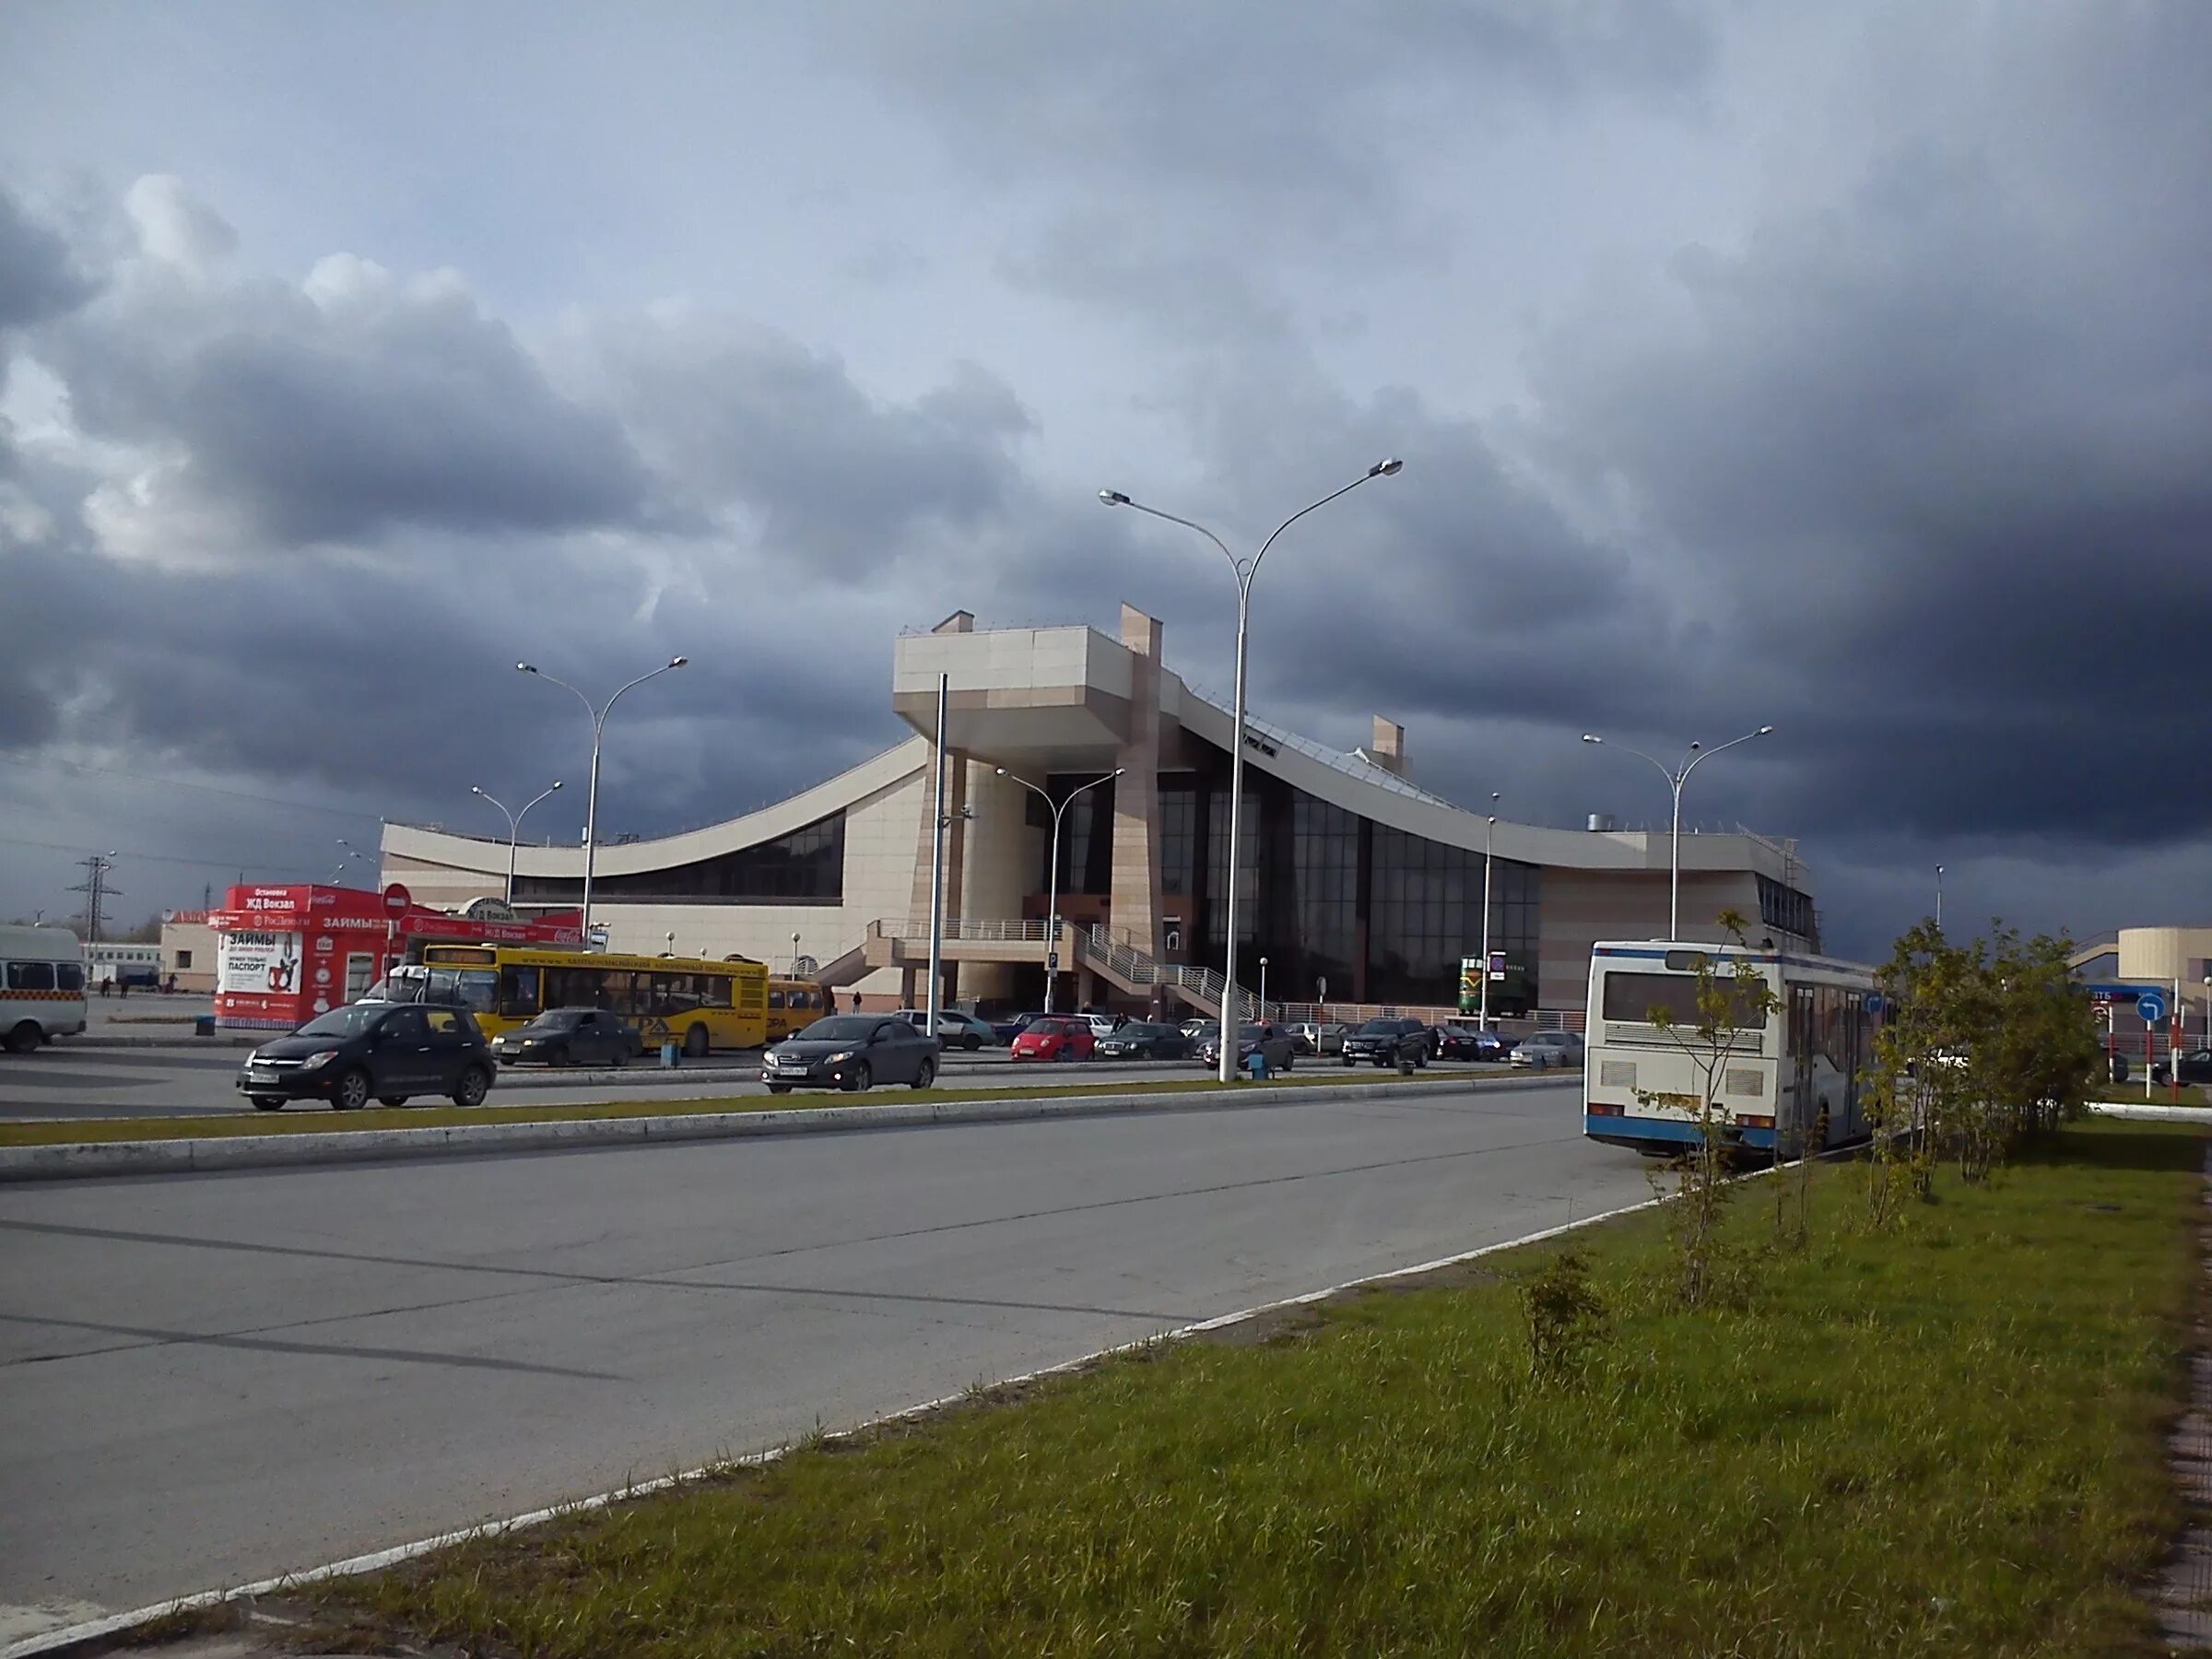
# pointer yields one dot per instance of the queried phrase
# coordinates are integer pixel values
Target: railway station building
(1360, 888)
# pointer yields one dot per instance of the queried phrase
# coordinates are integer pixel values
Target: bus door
(1798, 1116)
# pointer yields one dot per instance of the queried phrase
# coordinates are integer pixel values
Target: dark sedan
(1272, 1040)
(852, 1052)
(2195, 1067)
(570, 1036)
(1005, 1031)
(388, 1051)
(1466, 1043)
(1140, 1040)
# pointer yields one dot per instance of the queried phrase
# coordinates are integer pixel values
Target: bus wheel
(695, 1042)
(24, 1038)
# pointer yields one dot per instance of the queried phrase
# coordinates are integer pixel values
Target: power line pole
(97, 891)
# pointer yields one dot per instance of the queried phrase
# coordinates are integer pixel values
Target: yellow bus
(793, 1004)
(702, 1006)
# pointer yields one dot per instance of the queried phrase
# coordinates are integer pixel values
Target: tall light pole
(1938, 898)
(352, 853)
(1489, 836)
(1245, 570)
(591, 804)
(514, 825)
(1262, 1012)
(1051, 903)
(1676, 778)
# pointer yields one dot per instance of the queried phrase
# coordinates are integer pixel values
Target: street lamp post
(1489, 836)
(590, 803)
(1676, 778)
(1051, 903)
(1938, 898)
(352, 853)
(1245, 570)
(514, 825)
(794, 954)
(1263, 1011)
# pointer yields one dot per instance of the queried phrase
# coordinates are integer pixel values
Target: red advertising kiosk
(285, 954)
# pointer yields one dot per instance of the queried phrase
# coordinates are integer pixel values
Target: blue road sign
(1874, 1004)
(2152, 1007)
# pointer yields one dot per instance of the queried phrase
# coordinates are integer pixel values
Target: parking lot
(88, 1079)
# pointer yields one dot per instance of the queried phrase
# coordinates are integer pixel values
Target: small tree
(1732, 1007)
(1566, 1318)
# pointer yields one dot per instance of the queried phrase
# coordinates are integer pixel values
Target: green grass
(313, 1118)
(1942, 1442)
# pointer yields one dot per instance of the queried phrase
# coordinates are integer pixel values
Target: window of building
(183, 961)
(808, 867)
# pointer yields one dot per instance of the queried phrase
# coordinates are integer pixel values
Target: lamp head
(557, 783)
(1390, 466)
(677, 662)
(1592, 737)
(1002, 771)
(1113, 497)
(526, 668)
(1764, 731)
(1119, 771)
(476, 788)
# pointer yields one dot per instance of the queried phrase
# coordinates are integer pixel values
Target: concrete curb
(80, 1161)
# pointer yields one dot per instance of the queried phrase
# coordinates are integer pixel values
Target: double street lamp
(1245, 569)
(1051, 903)
(590, 805)
(1676, 777)
(514, 825)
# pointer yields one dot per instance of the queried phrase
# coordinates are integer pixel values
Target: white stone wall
(879, 869)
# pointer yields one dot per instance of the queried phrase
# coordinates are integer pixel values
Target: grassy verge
(304, 1118)
(1942, 1441)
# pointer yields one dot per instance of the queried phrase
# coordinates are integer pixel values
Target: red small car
(1055, 1039)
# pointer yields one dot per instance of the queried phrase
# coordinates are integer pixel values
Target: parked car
(1470, 1043)
(1005, 1031)
(954, 1029)
(1387, 1040)
(1321, 1036)
(1262, 1037)
(851, 1052)
(1548, 1050)
(1196, 1028)
(1104, 1024)
(570, 1036)
(1142, 1040)
(2196, 1067)
(1056, 1037)
(387, 1051)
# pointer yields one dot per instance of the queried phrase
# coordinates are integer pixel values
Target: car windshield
(560, 1019)
(841, 1028)
(1380, 1028)
(1053, 1028)
(349, 1021)
(1252, 1034)
(1207, 1028)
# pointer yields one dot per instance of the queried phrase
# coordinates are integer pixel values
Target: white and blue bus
(1645, 1087)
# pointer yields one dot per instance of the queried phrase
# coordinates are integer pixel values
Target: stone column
(1136, 890)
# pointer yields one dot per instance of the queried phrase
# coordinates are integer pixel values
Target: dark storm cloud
(743, 418)
(341, 411)
(38, 276)
(1931, 455)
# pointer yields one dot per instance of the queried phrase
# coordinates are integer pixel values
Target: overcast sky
(1846, 368)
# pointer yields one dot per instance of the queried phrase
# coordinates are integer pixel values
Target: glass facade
(808, 867)
(1381, 916)
(1786, 908)
(1086, 831)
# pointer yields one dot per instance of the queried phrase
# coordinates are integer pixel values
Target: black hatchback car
(850, 1050)
(387, 1051)
(1468, 1043)
(570, 1036)
(1388, 1041)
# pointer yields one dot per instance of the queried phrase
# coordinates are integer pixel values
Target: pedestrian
(122, 987)
(107, 986)
(855, 1002)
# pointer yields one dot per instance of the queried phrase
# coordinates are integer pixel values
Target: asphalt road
(76, 1080)
(207, 1380)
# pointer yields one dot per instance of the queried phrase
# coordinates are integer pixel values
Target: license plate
(260, 1076)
